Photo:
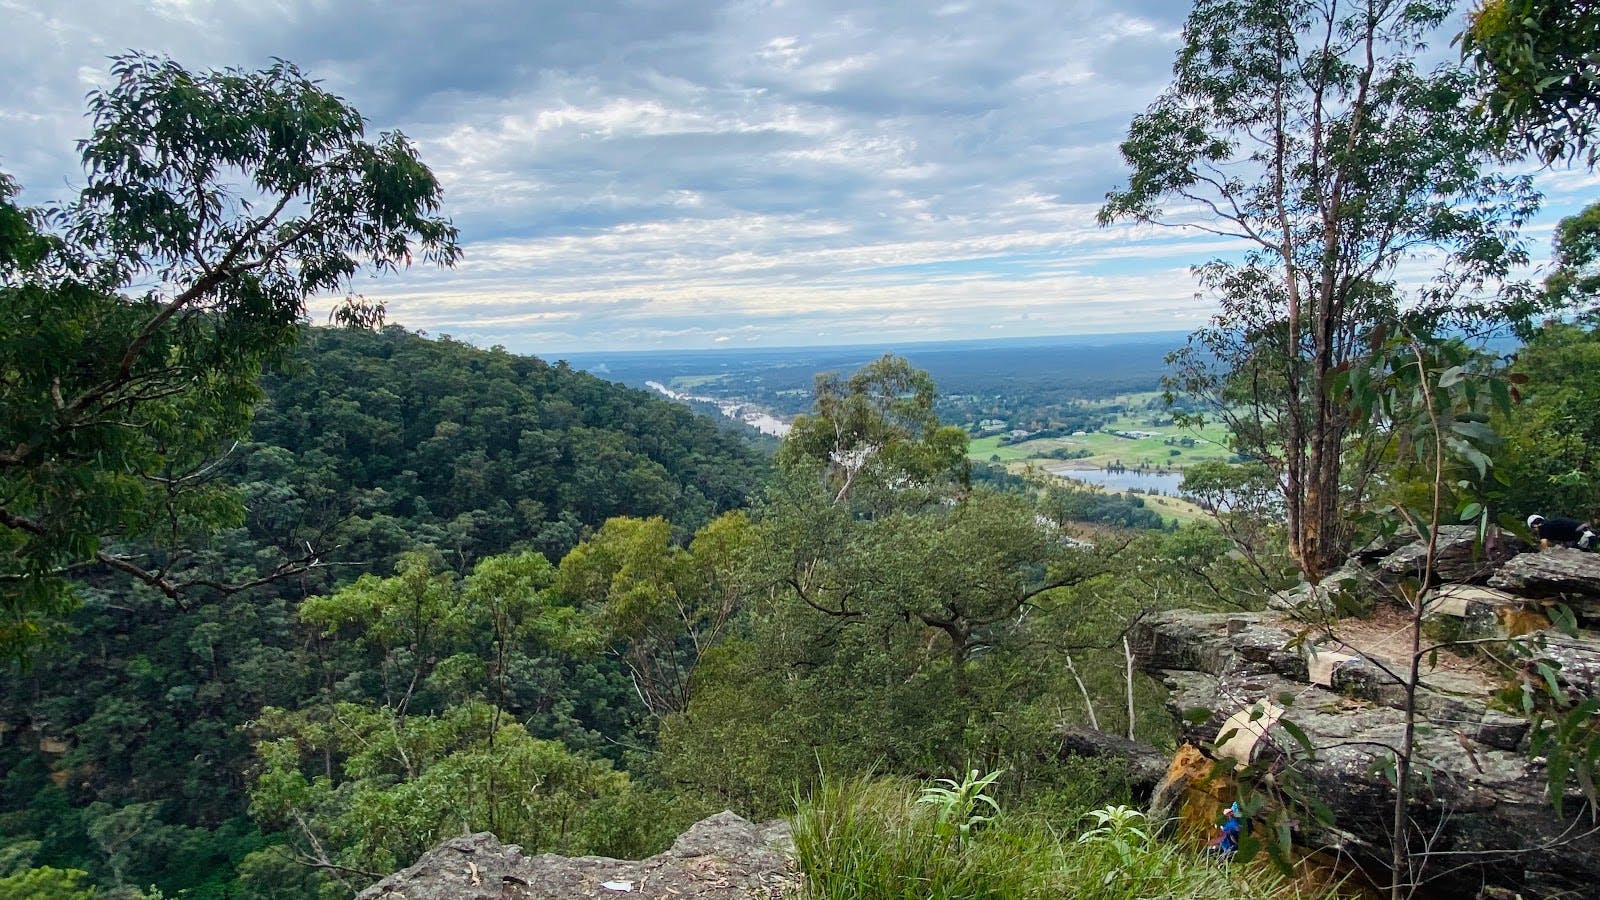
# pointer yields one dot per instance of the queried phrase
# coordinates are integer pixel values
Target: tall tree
(877, 425)
(660, 607)
(1575, 254)
(137, 318)
(1306, 130)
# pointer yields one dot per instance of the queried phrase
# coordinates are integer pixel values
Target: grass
(1105, 447)
(1177, 509)
(868, 839)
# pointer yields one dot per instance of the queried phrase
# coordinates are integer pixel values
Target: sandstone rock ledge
(723, 857)
(1484, 794)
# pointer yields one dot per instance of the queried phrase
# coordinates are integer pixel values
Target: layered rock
(723, 857)
(1558, 573)
(1480, 793)
(1458, 554)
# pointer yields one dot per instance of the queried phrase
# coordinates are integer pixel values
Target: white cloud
(709, 172)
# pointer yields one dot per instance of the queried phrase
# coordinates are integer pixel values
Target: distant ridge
(585, 359)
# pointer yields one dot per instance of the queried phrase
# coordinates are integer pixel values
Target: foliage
(1306, 131)
(867, 837)
(662, 606)
(399, 785)
(1566, 729)
(139, 317)
(1120, 828)
(1071, 503)
(378, 442)
(1552, 443)
(46, 883)
(1437, 397)
(150, 694)
(877, 426)
(959, 804)
(885, 628)
(892, 641)
(1575, 261)
(1541, 74)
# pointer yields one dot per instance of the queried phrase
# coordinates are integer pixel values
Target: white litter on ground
(1245, 727)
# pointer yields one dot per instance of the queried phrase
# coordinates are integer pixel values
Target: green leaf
(1562, 616)
(1299, 735)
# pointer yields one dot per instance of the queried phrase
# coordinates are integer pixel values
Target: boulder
(1254, 642)
(1348, 590)
(1467, 601)
(723, 857)
(1458, 556)
(1382, 546)
(1577, 659)
(1561, 572)
(1146, 765)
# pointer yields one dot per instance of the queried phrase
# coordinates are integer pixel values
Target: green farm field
(1105, 448)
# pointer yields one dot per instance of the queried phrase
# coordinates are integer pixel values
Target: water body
(1148, 482)
(759, 419)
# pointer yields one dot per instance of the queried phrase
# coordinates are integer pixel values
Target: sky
(644, 174)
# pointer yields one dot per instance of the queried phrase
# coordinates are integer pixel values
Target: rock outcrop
(723, 857)
(1458, 554)
(1147, 766)
(1558, 573)
(1480, 796)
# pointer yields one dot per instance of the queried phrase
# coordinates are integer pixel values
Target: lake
(1124, 481)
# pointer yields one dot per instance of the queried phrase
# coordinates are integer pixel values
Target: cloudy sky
(639, 174)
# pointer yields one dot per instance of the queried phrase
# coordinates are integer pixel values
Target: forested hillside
(126, 748)
(474, 451)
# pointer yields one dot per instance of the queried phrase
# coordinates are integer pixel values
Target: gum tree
(138, 317)
(1540, 63)
(1353, 182)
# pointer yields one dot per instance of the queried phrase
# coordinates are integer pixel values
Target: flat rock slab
(1578, 659)
(1466, 600)
(1557, 572)
(723, 857)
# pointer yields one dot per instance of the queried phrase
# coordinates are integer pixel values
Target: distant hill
(509, 449)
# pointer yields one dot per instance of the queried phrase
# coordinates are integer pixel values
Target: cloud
(706, 172)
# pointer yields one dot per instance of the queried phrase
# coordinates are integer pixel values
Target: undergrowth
(868, 838)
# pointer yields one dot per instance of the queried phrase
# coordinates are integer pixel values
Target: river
(756, 418)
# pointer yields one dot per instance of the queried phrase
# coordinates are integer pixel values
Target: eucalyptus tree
(659, 607)
(137, 317)
(1355, 185)
(877, 426)
(1540, 62)
(1574, 280)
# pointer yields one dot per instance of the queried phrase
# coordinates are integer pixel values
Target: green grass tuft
(868, 838)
